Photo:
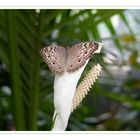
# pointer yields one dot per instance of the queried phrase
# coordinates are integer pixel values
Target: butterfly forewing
(78, 54)
(54, 56)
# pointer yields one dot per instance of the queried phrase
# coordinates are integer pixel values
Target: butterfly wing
(79, 53)
(55, 57)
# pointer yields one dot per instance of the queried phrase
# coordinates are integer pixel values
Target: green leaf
(14, 70)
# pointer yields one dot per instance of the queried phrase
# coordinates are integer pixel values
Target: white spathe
(64, 90)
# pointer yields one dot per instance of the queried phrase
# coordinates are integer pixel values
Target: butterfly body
(60, 59)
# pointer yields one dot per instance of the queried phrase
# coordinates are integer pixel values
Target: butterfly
(61, 59)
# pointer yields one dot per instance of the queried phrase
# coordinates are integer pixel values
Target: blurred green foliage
(26, 83)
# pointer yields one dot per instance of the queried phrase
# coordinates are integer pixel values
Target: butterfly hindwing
(55, 57)
(78, 54)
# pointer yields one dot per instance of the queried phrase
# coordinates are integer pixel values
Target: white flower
(64, 91)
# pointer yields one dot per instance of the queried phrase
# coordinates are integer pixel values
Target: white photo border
(51, 4)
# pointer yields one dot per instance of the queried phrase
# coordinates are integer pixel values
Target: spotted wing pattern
(55, 57)
(78, 54)
(70, 59)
